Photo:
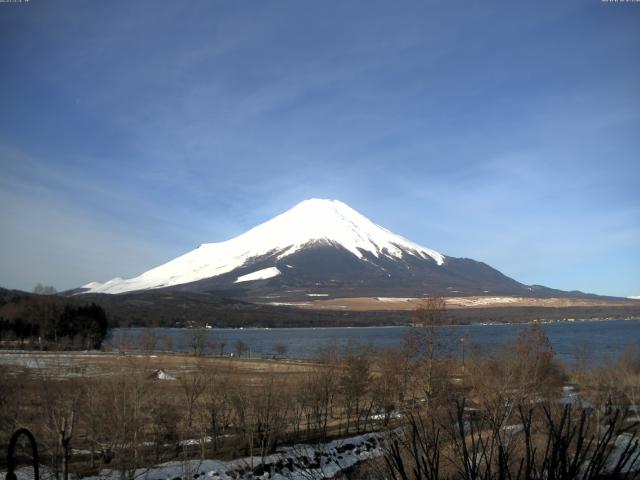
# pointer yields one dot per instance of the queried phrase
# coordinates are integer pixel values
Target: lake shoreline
(603, 337)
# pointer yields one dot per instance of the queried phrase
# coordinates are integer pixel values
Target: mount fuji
(320, 248)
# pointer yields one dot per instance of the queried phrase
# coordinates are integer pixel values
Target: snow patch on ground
(259, 275)
(44, 360)
(26, 473)
(288, 304)
(163, 375)
(298, 462)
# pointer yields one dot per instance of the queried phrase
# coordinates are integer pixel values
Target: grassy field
(100, 364)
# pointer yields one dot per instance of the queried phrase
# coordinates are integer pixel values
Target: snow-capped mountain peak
(310, 222)
(331, 221)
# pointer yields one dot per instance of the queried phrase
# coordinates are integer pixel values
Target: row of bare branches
(547, 442)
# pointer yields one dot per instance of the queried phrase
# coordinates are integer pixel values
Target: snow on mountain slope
(311, 221)
(259, 275)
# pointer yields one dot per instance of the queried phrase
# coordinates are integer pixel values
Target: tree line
(48, 322)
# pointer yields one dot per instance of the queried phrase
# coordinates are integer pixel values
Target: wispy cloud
(500, 132)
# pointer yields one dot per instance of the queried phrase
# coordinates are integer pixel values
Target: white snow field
(259, 275)
(311, 221)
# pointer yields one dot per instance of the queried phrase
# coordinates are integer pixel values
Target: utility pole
(462, 345)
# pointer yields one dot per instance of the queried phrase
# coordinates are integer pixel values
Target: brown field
(362, 304)
(97, 364)
(123, 416)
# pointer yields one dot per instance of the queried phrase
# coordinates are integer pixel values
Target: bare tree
(271, 408)
(87, 418)
(355, 380)
(280, 349)
(221, 344)
(316, 396)
(583, 358)
(422, 347)
(164, 419)
(629, 374)
(431, 311)
(125, 416)
(40, 289)
(197, 340)
(525, 372)
(546, 444)
(388, 385)
(64, 427)
(167, 343)
(217, 405)
(148, 339)
(193, 385)
(60, 409)
(240, 347)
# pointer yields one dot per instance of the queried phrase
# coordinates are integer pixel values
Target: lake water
(601, 339)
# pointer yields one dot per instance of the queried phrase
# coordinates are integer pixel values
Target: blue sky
(507, 132)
